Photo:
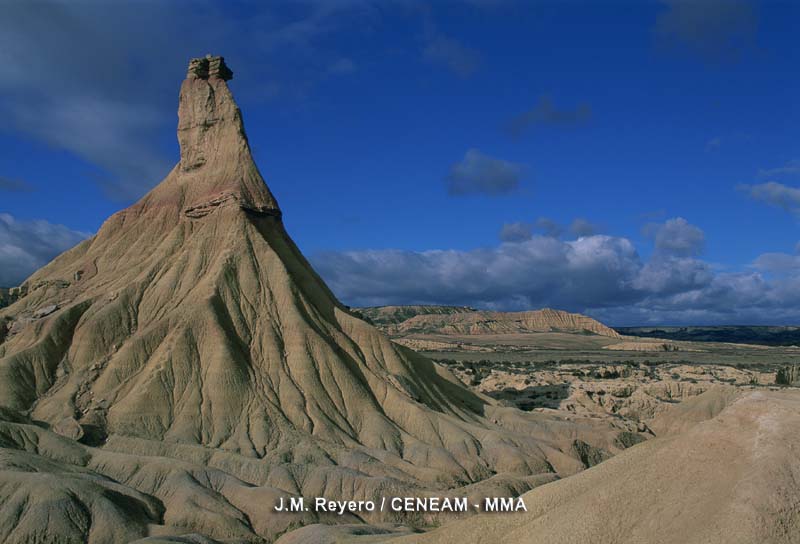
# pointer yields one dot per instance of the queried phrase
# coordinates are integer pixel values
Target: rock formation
(185, 366)
(456, 320)
(788, 375)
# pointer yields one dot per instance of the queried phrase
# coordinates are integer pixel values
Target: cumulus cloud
(26, 246)
(670, 275)
(715, 30)
(779, 263)
(677, 237)
(729, 298)
(548, 227)
(542, 271)
(775, 194)
(95, 107)
(602, 276)
(480, 173)
(521, 231)
(516, 232)
(583, 227)
(546, 113)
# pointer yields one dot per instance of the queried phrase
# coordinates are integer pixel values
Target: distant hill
(392, 315)
(459, 320)
(764, 335)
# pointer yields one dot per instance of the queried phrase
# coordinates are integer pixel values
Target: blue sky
(635, 160)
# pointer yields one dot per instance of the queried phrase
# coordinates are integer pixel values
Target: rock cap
(209, 67)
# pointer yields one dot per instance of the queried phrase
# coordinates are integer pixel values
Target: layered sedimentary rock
(184, 367)
(456, 320)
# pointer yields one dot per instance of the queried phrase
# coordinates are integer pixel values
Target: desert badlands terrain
(184, 371)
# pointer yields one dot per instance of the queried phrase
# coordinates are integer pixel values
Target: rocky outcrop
(196, 368)
(788, 375)
(648, 346)
(209, 67)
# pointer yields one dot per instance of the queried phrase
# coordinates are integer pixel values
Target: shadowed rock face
(788, 375)
(194, 346)
(5, 297)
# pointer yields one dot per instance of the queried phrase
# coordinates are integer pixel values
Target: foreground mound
(732, 478)
(197, 368)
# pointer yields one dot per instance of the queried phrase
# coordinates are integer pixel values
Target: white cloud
(516, 232)
(595, 271)
(582, 227)
(677, 236)
(603, 276)
(775, 194)
(777, 263)
(548, 227)
(99, 79)
(790, 169)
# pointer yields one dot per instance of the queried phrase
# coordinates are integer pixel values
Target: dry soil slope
(732, 478)
(193, 346)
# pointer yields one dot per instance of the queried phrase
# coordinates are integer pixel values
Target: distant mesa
(460, 320)
(736, 334)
